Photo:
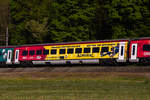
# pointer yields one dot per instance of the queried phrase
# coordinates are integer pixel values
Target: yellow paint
(83, 55)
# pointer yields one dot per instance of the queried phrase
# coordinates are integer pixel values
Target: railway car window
(122, 48)
(87, 50)
(146, 47)
(70, 51)
(0, 53)
(9, 55)
(62, 51)
(104, 49)
(38, 52)
(25, 53)
(78, 50)
(53, 51)
(45, 52)
(16, 54)
(133, 50)
(96, 50)
(31, 52)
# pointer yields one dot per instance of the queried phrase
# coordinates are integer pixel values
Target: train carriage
(140, 50)
(73, 53)
(6, 55)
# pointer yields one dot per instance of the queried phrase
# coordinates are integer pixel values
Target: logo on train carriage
(114, 50)
(146, 53)
(85, 55)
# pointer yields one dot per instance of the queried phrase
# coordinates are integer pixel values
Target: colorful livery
(88, 52)
(73, 53)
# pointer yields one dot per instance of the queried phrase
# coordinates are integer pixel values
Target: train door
(9, 57)
(17, 57)
(121, 57)
(133, 52)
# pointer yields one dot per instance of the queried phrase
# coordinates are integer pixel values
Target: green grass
(107, 88)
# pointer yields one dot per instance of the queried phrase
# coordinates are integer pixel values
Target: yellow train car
(87, 52)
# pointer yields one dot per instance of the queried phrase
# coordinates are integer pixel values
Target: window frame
(133, 50)
(105, 50)
(31, 51)
(46, 53)
(79, 49)
(122, 50)
(37, 52)
(87, 50)
(26, 53)
(9, 56)
(62, 51)
(1, 53)
(95, 48)
(146, 48)
(52, 53)
(71, 51)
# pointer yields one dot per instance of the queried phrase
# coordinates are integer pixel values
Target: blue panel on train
(3, 54)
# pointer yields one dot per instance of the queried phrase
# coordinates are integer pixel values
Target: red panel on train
(143, 47)
(31, 53)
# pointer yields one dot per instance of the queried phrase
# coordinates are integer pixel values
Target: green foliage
(72, 20)
(17, 37)
(39, 21)
(28, 21)
(127, 18)
(38, 31)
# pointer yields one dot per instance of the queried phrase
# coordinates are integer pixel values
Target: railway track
(76, 69)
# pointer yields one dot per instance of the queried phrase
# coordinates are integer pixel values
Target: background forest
(48, 21)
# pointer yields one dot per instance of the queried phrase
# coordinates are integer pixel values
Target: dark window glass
(146, 47)
(78, 50)
(16, 54)
(62, 51)
(104, 49)
(70, 51)
(133, 50)
(0, 53)
(25, 53)
(38, 52)
(122, 50)
(87, 50)
(112, 49)
(9, 55)
(96, 50)
(31, 52)
(45, 52)
(53, 51)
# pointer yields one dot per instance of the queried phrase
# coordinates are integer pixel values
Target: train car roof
(143, 38)
(77, 42)
(69, 43)
(7, 47)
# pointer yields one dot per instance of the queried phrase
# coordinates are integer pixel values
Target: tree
(127, 18)
(27, 18)
(38, 31)
(72, 20)
(4, 18)
(103, 28)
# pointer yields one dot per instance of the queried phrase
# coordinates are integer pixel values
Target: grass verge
(106, 88)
